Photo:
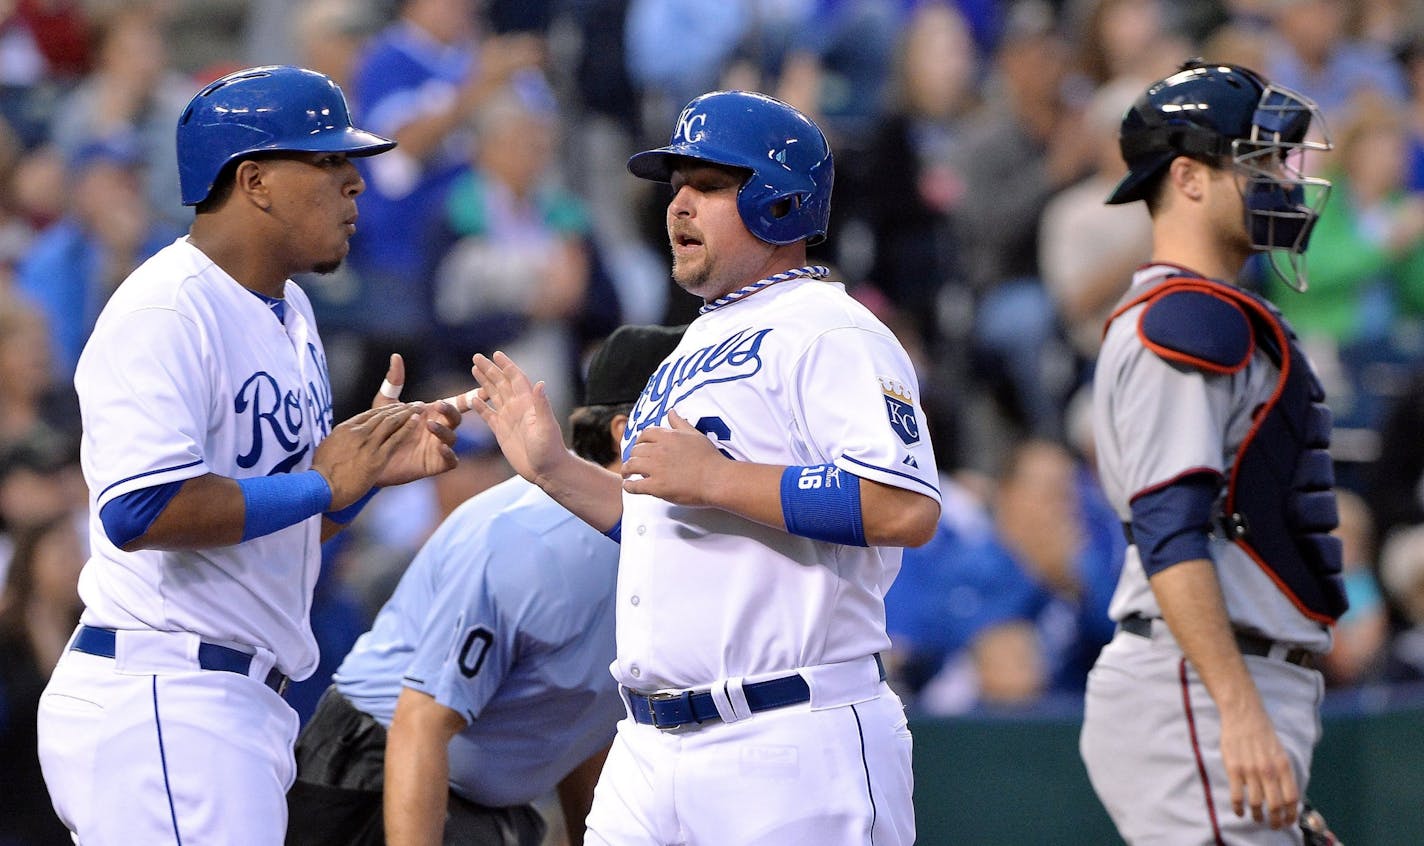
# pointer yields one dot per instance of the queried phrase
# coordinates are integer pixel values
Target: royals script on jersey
(189, 373)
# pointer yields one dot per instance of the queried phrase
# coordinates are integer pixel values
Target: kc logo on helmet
(689, 126)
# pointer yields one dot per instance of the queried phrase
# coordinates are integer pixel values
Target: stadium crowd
(974, 141)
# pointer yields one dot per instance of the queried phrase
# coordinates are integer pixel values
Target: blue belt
(671, 710)
(211, 656)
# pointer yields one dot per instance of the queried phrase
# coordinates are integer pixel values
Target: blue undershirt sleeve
(127, 517)
(1171, 524)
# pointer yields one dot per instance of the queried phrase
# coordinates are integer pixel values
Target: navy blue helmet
(1229, 115)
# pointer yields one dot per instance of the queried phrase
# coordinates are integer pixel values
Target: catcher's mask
(1228, 114)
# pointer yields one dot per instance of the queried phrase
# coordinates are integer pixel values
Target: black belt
(92, 640)
(671, 710)
(1249, 644)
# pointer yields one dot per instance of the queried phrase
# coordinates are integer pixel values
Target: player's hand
(519, 415)
(357, 451)
(676, 463)
(1257, 768)
(429, 452)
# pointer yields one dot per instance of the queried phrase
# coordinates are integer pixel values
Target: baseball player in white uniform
(773, 467)
(215, 472)
(1201, 714)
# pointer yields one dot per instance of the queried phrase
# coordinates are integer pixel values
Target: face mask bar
(1281, 202)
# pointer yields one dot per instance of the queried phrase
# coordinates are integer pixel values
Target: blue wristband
(822, 503)
(347, 514)
(615, 534)
(276, 502)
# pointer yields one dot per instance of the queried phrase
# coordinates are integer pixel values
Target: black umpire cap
(621, 368)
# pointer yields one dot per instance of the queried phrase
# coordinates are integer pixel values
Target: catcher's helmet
(788, 160)
(1229, 115)
(278, 107)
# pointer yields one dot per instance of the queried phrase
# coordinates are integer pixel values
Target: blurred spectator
(1025, 146)
(1361, 633)
(329, 35)
(1064, 535)
(1087, 250)
(1126, 38)
(1412, 61)
(39, 609)
(44, 49)
(34, 406)
(1402, 573)
(1395, 479)
(521, 276)
(1005, 605)
(1311, 52)
(132, 96)
(73, 266)
(905, 187)
(668, 78)
(420, 81)
(206, 36)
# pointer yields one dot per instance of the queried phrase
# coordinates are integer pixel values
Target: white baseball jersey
(188, 373)
(1154, 422)
(797, 374)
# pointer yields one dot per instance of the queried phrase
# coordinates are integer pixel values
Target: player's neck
(1198, 251)
(250, 268)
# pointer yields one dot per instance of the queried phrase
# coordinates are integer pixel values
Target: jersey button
(642, 530)
(634, 600)
(637, 673)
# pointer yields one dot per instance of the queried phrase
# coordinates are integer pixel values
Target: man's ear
(1188, 177)
(249, 180)
(616, 427)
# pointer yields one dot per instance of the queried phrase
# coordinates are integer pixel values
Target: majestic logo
(900, 407)
(734, 358)
(690, 127)
(273, 416)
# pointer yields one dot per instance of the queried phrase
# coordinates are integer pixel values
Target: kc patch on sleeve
(900, 407)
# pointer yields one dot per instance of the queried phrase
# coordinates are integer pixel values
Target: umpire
(488, 667)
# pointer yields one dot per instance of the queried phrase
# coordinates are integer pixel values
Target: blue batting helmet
(278, 107)
(787, 194)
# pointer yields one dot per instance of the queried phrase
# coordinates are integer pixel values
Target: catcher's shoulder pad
(1197, 328)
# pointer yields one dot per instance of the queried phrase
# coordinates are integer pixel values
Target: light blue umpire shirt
(505, 616)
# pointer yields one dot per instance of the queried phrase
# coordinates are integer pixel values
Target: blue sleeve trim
(347, 514)
(127, 517)
(615, 534)
(933, 490)
(273, 503)
(1198, 329)
(822, 503)
(1171, 524)
(148, 473)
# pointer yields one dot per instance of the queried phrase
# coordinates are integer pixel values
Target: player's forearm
(1190, 598)
(576, 795)
(889, 516)
(417, 787)
(592, 493)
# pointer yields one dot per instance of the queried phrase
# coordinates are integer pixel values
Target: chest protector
(1279, 505)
